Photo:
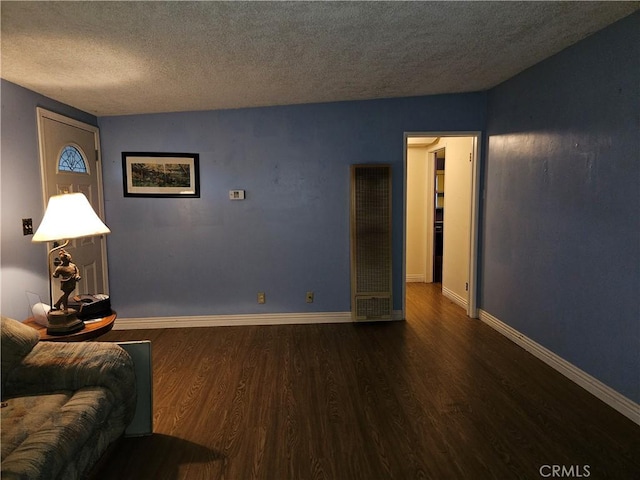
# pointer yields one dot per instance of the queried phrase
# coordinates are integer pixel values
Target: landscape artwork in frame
(161, 174)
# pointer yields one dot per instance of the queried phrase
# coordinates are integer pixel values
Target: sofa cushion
(23, 415)
(45, 436)
(18, 340)
(56, 366)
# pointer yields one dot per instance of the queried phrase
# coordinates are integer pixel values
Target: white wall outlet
(262, 298)
(309, 297)
(236, 194)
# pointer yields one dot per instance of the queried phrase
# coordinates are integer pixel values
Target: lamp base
(62, 323)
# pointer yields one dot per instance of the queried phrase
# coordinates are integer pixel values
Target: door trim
(472, 308)
(42, 114)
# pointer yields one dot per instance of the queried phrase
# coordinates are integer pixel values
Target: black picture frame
(162, 175)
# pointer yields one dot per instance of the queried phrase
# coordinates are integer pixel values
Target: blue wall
(211, 255)
(24, 264)
(561, 245)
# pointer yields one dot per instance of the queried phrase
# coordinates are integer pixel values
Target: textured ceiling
(113, 58)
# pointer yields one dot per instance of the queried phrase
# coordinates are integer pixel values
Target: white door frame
(472, 308)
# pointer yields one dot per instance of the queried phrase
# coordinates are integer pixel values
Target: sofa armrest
(53, 367)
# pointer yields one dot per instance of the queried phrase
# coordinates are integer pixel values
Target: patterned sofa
(63, 404)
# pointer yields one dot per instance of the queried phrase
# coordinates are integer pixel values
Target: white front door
(70, 162)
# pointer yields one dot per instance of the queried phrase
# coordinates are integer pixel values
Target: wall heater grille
(371, 277)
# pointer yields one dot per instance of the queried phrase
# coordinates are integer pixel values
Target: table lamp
(68, 216)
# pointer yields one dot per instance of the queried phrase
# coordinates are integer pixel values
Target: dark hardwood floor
(440, 396)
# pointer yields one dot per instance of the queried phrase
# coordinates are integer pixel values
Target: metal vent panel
(373, 308)
(371, 241)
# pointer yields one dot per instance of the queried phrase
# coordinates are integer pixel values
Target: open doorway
(440, 213)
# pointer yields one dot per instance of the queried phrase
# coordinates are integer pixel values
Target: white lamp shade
(69, 216)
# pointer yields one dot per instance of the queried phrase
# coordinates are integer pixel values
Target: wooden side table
(92, 329)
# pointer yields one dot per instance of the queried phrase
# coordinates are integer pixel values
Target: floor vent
(371, 297)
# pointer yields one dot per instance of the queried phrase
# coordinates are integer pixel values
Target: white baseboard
(622, 404)
(416, 277)
(231, 320)
(239, 320)
(454, 297)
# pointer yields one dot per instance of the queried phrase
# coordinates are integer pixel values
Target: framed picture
(161, 174)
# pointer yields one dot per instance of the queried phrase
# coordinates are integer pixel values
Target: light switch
(236, 194)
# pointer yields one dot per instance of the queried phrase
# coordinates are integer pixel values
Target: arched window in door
(72, 160)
